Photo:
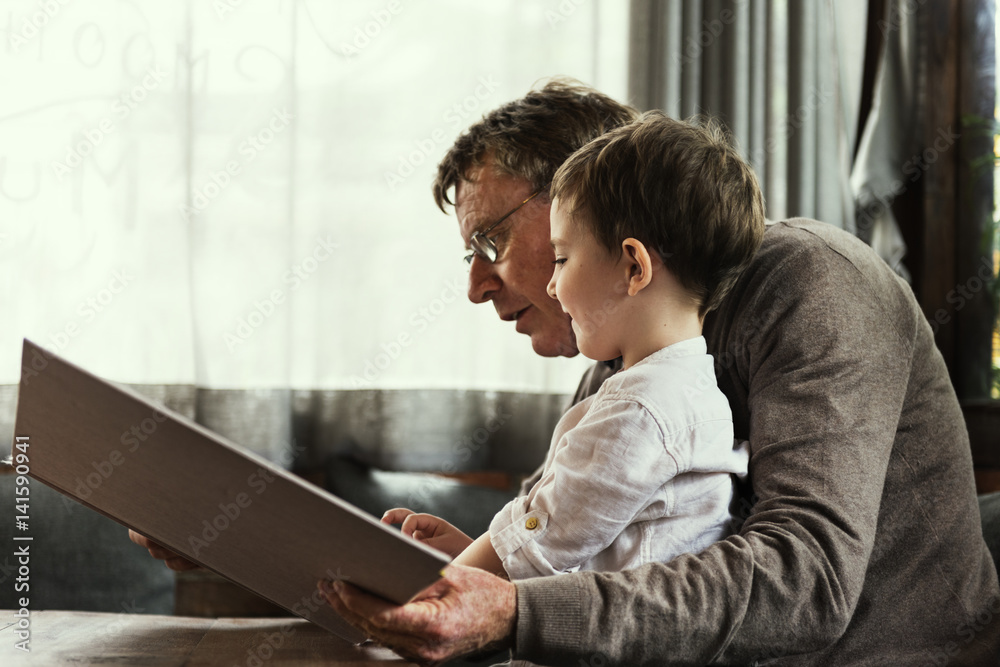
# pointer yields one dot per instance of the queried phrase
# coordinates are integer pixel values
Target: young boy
(651, 224)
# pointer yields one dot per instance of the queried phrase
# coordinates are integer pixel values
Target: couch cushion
(470, 508)
(79, 560)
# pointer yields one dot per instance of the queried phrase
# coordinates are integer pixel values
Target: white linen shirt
(639, 472)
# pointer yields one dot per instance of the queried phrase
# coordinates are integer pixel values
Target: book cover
(204, 497)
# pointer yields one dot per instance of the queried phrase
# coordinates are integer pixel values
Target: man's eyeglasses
(483, 245)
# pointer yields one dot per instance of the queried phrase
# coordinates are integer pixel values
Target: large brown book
(204, 497)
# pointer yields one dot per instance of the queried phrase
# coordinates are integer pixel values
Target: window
(995, 377)
(238, 195)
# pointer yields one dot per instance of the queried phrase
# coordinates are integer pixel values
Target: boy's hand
(429, 529)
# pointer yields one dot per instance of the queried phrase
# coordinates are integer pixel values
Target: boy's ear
(638, 265)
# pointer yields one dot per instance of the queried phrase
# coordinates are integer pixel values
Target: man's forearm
(727, 603)
(650, 615)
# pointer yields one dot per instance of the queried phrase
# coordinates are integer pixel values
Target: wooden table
(85, 638)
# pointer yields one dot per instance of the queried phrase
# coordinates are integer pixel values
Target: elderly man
(861, 543)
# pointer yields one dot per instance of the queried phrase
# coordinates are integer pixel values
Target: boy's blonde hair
(678, 187)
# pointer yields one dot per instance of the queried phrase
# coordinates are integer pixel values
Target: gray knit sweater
(862, 543)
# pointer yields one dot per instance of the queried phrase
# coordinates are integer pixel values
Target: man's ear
(638, 265)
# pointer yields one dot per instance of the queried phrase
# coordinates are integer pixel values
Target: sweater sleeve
(826, 353)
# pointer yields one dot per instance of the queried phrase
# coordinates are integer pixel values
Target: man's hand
(172, 560)
(466, 611)
(429, 529)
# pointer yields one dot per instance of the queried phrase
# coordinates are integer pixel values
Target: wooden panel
(206, 594)
(202, 496)
(232, 641)
(983, 421)
(987, 480)
(937, 243)
(59, 638)
(982, 418)
(500, 481)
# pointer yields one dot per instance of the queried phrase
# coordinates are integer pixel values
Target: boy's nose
(551, 287)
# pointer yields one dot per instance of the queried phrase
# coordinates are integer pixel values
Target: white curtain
(236, 194)
(890, 159)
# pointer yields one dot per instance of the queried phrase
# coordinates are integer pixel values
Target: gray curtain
(889, 158)
(784, 76)
(404, 430)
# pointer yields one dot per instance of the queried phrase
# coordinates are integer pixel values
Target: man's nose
(484, 282)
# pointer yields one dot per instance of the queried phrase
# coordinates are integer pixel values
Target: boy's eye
(560, 260)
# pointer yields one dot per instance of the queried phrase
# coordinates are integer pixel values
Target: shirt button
(531, 523)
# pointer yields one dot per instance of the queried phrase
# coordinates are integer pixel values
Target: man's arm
(827, 369)
(827, 364)
(826, 354)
